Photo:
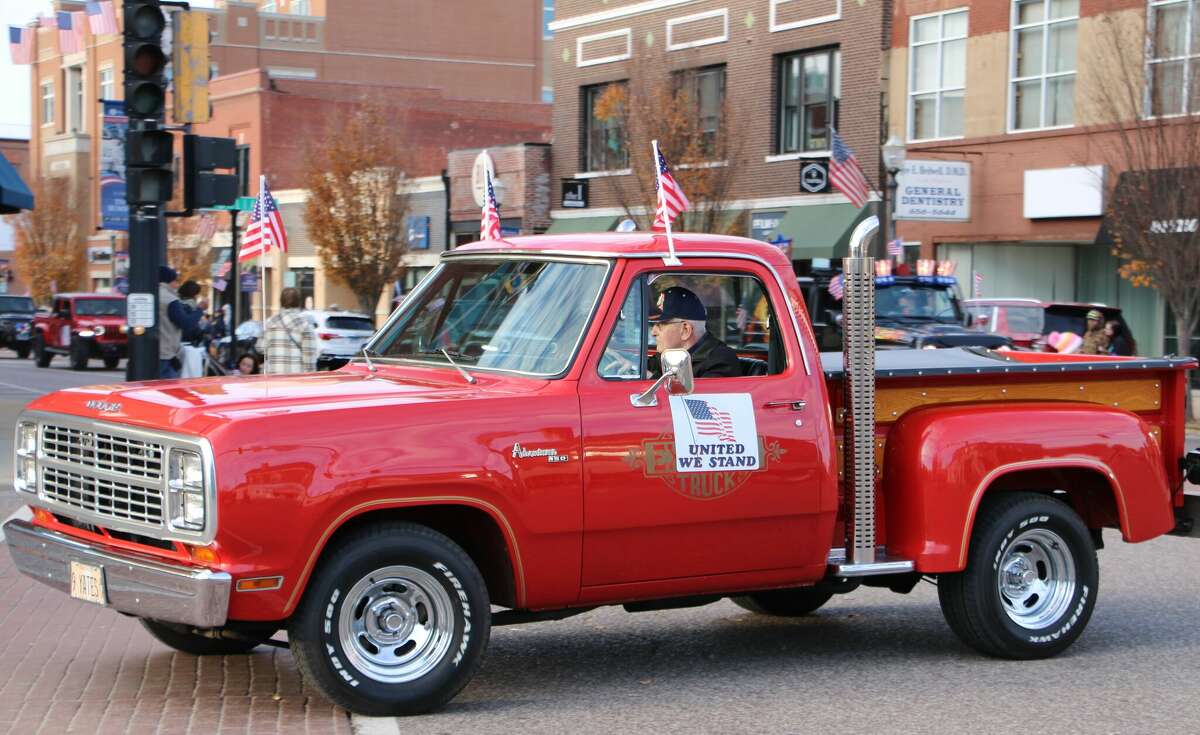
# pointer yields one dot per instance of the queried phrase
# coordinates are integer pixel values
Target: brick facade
(522, 174)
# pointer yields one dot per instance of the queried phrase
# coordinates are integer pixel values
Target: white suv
(340, 336)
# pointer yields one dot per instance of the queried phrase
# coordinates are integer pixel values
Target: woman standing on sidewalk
(288, 344)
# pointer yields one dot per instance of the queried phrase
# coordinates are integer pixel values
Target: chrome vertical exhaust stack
(858, 427)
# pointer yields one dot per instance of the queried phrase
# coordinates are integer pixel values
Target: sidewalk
(70, 667)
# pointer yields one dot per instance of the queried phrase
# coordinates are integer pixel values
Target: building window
(243, 170)
(937, 70)
(75, 91)
(1043, 63)
(547, 18)
(47, 103)
(809, 90)
(604, 120)
(1174, 56)
(300, 7)
(107, 89)
(547, 94)
(705, 92)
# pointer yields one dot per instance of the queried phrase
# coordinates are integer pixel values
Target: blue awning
(14, 194)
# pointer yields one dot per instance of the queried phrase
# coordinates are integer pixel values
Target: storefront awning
(571, 225)
(821, 230)
(14, 194)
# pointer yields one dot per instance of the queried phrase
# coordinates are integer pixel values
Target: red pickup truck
(82, 326)
(513, 447)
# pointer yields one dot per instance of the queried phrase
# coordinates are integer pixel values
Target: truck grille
(103, 451)
(109, 498)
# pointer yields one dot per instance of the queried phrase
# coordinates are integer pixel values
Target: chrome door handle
(796, 405)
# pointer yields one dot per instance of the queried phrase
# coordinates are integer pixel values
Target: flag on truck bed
(266, 226)
(845, 174)
(489, 222)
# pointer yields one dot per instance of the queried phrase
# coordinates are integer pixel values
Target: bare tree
(356, 208)
(693, 134)
(1152, 208)
(189, 247)
(48, 255)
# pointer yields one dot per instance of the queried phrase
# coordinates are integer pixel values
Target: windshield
(908, 302)
(519, 315)
(100, 307)
(16, 304)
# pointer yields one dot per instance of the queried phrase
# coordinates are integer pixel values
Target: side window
(624, 358)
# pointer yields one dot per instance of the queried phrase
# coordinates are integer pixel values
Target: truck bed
(979, 361)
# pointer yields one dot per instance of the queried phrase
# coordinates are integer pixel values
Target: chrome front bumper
(135, 584)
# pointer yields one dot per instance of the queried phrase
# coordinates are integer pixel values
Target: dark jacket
(712, 358)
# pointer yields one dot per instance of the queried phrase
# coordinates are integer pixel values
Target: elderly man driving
(679, 322)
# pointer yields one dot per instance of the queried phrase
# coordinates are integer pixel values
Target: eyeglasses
(672, 321)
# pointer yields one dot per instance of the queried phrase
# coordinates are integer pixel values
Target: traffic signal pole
(147, 240)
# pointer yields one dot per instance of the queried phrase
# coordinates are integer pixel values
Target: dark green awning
(14, 194)
(570, 225)
(822, 230)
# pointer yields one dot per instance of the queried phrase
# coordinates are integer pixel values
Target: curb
(362, 725)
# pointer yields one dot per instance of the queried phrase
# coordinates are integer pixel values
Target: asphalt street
(869, 661)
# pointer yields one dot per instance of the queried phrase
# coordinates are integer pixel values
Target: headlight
(98, 330)
(185, 485)
(86, 333)
(25, 466)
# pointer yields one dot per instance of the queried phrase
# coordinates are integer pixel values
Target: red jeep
(82, 326)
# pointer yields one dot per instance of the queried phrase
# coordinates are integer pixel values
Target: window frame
(691, 78)
(76, 106)
(590, 93)
(833, 99)
(1013, 80)
(111, 84)
(1190, 58)
(940, 90)
(47, 98)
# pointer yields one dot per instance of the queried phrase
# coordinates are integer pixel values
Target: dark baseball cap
(166, 274)
(678, 303)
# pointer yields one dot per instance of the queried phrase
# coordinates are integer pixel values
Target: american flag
(895, 248)
(671, 200)
(710, 421)
(101, 17)
(266, 226)
(836, 287)
(70, 32)
(977, 277)
(207, 226)
(20, 45)
(47, 21)
(845, 173)
(489, 223)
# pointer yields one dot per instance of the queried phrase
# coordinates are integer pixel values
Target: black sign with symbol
(574, 193)
(814, 176)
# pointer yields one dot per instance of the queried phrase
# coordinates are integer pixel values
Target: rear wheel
(784, 603)
(1031, 579)
(394, 621)
(181, 638)
(40, 355)
(79, 355)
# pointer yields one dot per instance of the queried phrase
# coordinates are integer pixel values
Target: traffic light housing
(148, 158)
(201, 186)
(191, 67)
(145, 61)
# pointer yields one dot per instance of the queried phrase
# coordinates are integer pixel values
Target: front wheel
(22, 350)
(79, 355)
(110, 363)
(394, 621)
(1031, 579)
(40, 356)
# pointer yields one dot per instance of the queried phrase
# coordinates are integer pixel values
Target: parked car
(16, 320)
(82, 326)
(1027, 321)
(340, 336)
(913, 312)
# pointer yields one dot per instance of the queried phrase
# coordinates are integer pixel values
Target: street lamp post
(893, 161)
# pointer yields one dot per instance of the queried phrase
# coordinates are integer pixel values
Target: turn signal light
(259, 584)
(202, 554)
(326, 335)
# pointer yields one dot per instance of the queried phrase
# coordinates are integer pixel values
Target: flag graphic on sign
(895, 248)
(266, 226)
(836, 289)
(845, 173)
(20, 45)
(101, 17)
(489, 223)
(710, 421)
(671, 200)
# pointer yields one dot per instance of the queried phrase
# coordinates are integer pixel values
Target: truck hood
(200, 405)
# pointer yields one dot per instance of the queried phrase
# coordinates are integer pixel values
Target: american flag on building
(20, 45)
(977, 278)
(102, 18)
(710, 421)
(265, 230)
(836, 287)
(48, 21)
(895, 248)
(207, 226)
(671, 200)
(489, 223)
(70, 32)
(845, 174)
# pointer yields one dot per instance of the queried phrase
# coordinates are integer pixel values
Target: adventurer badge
(552, 456)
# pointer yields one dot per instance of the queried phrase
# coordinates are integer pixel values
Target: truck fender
(941, 462)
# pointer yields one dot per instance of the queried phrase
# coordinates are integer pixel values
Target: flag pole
(670, 259)
(262, 279)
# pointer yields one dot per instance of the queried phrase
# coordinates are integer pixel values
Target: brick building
(781, 71)
(16, 152)
(1010, 89)
(493, 59)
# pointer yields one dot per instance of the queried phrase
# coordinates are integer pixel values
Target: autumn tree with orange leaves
(49, 256)
(189, 247)
(356, 210)
(693, 133)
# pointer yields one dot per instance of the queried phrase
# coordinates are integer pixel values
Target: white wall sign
(934, 190)
(714, 432)
(139, 310)
(483, 164)
(1075, 191)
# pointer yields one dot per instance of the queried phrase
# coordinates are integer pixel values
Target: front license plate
(87, 583)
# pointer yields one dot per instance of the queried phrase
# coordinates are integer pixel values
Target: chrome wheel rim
(1036, 579)
(396, 624)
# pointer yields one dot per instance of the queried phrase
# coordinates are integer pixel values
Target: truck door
(744, 508)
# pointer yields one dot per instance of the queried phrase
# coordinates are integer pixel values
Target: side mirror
(676, 374)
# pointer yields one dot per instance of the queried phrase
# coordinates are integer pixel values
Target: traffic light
(145, 85)
(202, 187)
(148, 158)
(192, 67)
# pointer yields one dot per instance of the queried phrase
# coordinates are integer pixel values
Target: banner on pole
(114, 210)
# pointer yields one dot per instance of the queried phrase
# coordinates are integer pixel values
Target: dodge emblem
(103, 406)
